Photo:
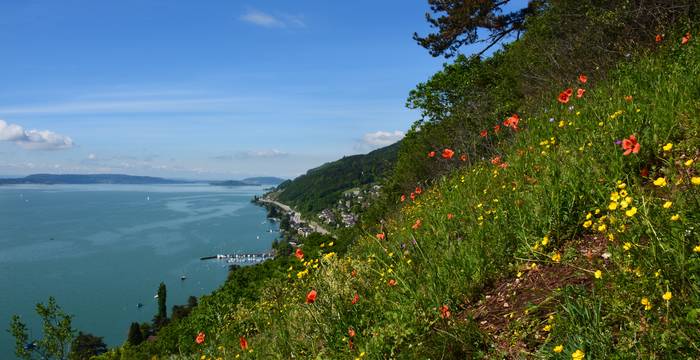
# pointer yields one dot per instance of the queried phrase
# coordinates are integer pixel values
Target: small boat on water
(183, 277)
(155, 296)
(139, 305)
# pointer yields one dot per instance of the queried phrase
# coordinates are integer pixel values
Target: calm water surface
(102, 249)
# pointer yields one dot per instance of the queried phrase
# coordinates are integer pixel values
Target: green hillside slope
(321, 187)
(563, 244)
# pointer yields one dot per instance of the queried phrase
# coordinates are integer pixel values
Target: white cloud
(260, 18)
(33, 139)
(92, 157)
(382, 138)
(272, 153)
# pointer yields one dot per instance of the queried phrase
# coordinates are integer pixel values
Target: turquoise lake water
(102, 249)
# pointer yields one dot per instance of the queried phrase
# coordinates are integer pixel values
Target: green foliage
(323, 186)
(85, 346)
(56, 329)
(471, 95)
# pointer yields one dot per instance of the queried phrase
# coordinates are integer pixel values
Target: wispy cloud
(259, 18)
(271, 153)
(33, 139)
(377, 139)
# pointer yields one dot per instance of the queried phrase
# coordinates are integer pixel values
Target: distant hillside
(231, 183)
(252, 181)
(321, 187)
(264, 180)
(50, 179)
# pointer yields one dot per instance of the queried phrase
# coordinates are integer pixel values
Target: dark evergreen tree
(135, 336)
(85, 346)
(161, 317)
(458, 21)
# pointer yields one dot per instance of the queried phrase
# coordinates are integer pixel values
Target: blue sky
(206, 89)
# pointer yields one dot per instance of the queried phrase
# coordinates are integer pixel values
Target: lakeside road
(317, 228)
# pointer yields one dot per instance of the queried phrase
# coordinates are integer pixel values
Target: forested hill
(321, 187)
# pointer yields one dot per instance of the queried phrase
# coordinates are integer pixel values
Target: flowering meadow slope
(577, 239)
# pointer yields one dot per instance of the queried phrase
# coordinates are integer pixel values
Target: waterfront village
(342, 215)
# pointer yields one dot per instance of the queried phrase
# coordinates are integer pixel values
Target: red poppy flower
(496, 160)
(563, 97)
(583, 78)
(512, 121)
(463, 157)
(413, 196)
(244, 343)
(417, 224)
(391, 282)
(351, 332)
(630, 145)
(200, 338)
(350, 344)
(445, 312)
(311, 297)
(355, 299)
(353, 273)
(628, 98)
(299, 254)
(450, 216)
(497, 128)
(380, 236)
(644, 172)
(431, 154)
(447, 154)
(403, 198)
(503, 165)
(569, 91)
(659, 38)
(484, 133)
(418, 190)
(686, 38)
(580, 92)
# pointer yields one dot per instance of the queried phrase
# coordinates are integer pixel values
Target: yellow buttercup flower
(647, 304)
(557, 257)
(627, 246)
(598, 274)
(547, 328)
(696, 249)
(578, 355)
(667, 204)
(695, 180)
(614, 196)
(668, 147)
(545, 240)
(559, 348)
(667, 296)
(587, 224)
(660, 182)
(631, 212)
(675, 217)
(612, 206)
(602, 227)
(688, 163)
